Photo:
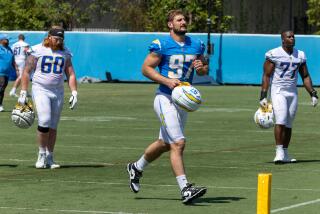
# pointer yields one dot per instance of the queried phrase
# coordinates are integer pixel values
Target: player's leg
(42, 102)
(17, 82)
(3, 85)
(135, 169)
(280, 109)
(173, 123)
(293, 106)
(57, 105)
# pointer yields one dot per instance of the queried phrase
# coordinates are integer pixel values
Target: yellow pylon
(264, 193)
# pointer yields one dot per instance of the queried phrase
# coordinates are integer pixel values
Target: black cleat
(190, 192)
(134, 176)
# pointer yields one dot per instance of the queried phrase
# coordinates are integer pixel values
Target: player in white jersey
(20, 49)
(51, 61)
(281, 69)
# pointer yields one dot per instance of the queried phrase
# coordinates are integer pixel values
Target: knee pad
(43, 129)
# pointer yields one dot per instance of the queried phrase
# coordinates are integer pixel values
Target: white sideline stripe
(152, 185)
(64, 211)
(295, 206)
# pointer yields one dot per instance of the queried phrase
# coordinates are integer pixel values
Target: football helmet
(264, 117)
(23, 115)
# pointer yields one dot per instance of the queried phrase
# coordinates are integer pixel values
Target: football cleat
(190, 192)
(1, 108)
(134, 176)
(41, 162)
(279, 158)
(288, 159)
(50, 163)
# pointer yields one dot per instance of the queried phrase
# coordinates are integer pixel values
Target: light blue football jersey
(177, 58)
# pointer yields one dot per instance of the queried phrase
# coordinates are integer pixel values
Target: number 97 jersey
(50, 67)
(177, 58)
(286, 66)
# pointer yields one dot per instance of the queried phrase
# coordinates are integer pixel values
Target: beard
(56, 47)
(179, 32)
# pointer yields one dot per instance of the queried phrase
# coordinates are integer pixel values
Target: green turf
(115, 122)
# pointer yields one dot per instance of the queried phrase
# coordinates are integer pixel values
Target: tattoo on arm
(30, 63)
(68, 62)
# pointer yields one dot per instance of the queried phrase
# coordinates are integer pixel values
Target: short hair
(21, 37)
(173, 13)
(285, 31)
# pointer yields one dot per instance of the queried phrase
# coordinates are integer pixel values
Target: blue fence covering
(237, 58)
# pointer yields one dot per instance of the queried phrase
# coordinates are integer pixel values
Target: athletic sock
(279, 148)
(141, 163)
(13, 90)
(182, 181)
(42, 150)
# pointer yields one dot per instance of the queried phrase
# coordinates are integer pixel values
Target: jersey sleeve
(155, 47)
(270, 56)
(303, 57)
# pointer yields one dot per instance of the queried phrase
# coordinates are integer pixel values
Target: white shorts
(49, 103)
(20, 65)
(172, 118)
(285, 104)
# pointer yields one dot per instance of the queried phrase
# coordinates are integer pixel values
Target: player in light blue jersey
(176, 56)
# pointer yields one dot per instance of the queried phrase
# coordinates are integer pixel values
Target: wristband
(313, 93)
(263, 94)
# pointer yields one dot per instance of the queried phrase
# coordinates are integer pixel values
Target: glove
(22, 100)
(314, 101)
(73, 99)
(314, 98)
(264, 103)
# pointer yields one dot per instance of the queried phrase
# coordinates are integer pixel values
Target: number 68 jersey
(286, 66)
(50, 67)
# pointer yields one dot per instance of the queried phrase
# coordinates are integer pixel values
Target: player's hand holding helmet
(264, 103)
(314, 98)
(23, 115)
(73, 99)
(22, 100)
(263, 117)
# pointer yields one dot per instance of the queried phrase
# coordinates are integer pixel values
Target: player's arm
(307, 82)
(72, 81)
(29, 66)
(148, 69)
(268, 69)
(201, 66)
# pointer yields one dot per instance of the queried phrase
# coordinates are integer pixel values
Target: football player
(50, 60)
(20, 49)
(176, 56)
(281, 69)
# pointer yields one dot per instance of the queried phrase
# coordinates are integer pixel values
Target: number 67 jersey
(286, 66)
(50, 67)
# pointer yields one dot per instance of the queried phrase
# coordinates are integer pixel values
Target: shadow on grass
(83, 166)
(198, 201)
(298, 161)
(8, 165)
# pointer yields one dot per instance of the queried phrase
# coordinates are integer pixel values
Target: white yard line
(63, 211)
(152, 185)
(295, 206)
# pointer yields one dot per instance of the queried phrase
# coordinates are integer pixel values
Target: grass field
(115, 122)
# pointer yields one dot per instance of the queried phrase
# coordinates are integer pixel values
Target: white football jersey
(286, 66)
(19, 50)
(50, 67)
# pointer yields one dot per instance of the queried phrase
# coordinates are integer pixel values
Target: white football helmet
(264, 117)
(186, 97)
(23, 115)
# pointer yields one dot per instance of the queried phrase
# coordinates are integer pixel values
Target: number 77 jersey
(286, 66)
(50, 67)
(177, 58)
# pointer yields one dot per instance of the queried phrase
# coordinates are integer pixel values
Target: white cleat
(279, 158)
(41, 162)
(51, 164)
(1, 108)
(288, 159)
